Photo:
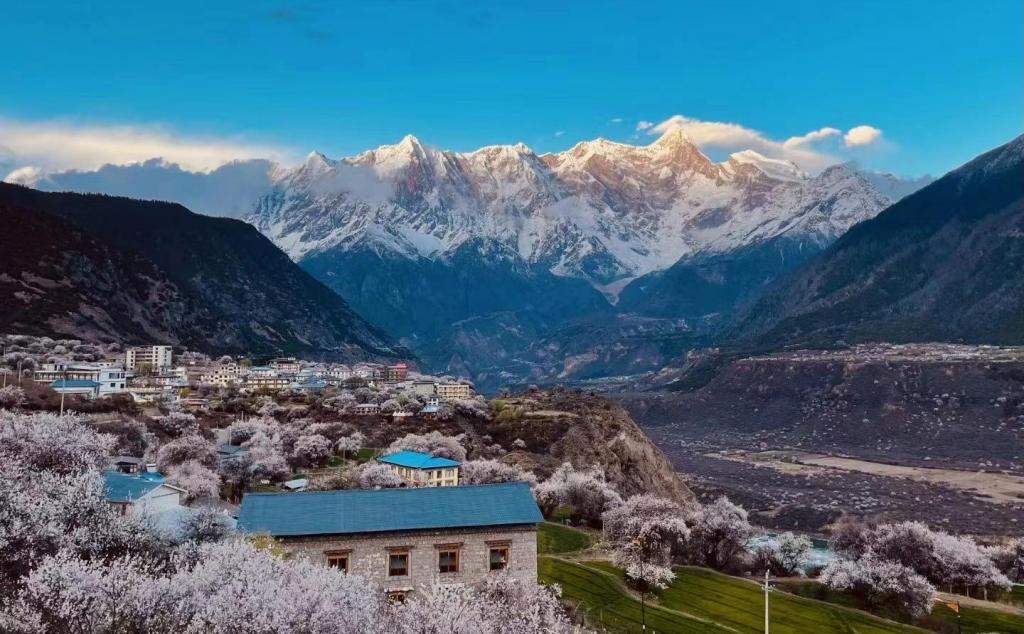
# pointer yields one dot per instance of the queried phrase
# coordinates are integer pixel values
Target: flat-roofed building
(149, 358)
(72, 378)
(453, 390)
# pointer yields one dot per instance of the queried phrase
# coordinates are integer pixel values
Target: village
(153, 375)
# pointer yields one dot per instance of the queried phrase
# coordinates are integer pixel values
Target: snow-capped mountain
(600, 211)
(501, 260)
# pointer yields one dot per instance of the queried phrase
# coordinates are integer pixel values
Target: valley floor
(813, 492)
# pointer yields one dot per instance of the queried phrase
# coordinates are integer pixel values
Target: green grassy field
(555, 539)
(701, 600)
(942, 619)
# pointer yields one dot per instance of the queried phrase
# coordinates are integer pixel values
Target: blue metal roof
(128, 487)
(417, 460)
(70, 383)
(384, 510)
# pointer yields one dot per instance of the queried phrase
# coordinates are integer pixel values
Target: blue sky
(942, 80)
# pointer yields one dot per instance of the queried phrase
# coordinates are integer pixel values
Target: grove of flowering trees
(69, 563)
(944, 560)
(586, 494)
(647, 534)
(433, 443)
(494, 472)
(881, 583)
(783, 555)
(374, 475)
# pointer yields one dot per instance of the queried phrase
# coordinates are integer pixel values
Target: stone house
(405, 540)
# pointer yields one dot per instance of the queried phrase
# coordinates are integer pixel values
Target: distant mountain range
(103, 268)
(473, 259)
(944, 264)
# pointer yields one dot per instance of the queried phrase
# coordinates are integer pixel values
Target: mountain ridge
(214, 284)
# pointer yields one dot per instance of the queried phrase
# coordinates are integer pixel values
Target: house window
(448, 560)
(338, 560)
(398, 564)
(498, 558)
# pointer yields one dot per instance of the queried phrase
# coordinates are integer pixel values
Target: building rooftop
(417, 460)
(126, 487)
(72, 383)
(385, 510)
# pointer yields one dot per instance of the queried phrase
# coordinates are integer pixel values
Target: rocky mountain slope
(946, 263)
(554, 426)
(501, 246)
(97, 267)
(470, 258)
(938, 406)
(600, 211)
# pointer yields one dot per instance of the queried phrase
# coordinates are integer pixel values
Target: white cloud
(559, 132)
(861, 135)
(810, 137)
(617, 120)
(812, 151)
(58, 145)
(644, 125)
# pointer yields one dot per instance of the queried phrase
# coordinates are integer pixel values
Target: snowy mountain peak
(775, 168)
(674, 136)
(602, 211)
(317, 161)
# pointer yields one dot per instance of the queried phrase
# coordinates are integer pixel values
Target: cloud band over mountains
(29, 150)
(812, 151)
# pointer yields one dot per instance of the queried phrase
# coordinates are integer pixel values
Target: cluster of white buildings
(149, 374)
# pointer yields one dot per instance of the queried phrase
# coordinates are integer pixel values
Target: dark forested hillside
(945, 263)
(122, 269)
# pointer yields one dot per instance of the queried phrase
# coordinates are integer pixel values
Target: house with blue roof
(145, 491)
(406, 540)
(423, 470)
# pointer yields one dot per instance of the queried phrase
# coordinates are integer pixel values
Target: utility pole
(767, 589)
(63, 388)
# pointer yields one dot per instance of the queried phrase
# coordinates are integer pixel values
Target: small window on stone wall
(398, 564)
(338, 560)
(448, 561)
(498, 558)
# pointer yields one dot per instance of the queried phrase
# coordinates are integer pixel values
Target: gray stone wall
(368, 554)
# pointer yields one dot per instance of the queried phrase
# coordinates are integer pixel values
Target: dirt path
(945, 597)
(999, 488)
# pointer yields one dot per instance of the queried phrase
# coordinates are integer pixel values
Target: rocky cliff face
(586, 430)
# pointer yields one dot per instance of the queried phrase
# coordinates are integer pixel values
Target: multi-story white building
(222, 375)
(268, 382)
(108, 380)
(453, 390)
(287, 365)
(149, 358)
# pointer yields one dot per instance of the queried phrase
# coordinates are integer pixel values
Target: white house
(146, 491)
(87, 379)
